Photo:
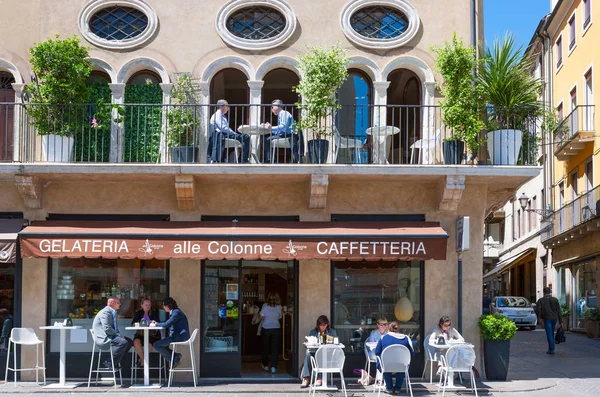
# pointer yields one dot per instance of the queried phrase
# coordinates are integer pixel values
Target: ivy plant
(457, 64)
(323, 71)
(143, 122)
(496, 327)
(59, 88)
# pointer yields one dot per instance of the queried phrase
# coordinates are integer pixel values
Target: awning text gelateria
(235, 240)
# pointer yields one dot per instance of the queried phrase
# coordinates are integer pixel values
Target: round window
(256, 23)
(377, 22)
(118, 23)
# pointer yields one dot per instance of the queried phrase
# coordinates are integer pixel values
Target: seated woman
(445, 330)
(393, 337)
(147, 313)
(322, 327)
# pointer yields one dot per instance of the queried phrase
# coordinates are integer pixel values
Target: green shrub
(183, 117)
(143, 122)
(564, 310)
(592, 314)
(496, 327)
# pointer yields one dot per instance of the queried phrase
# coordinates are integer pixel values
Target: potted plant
(59, 87)
(592, 322)
(323, 71)
(182, 123)
(564, 313)
(497, 331)
(511, 93)
(457, 63)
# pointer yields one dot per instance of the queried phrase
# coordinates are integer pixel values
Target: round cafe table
(62, 384)
(255, 132)
(312, 349)
(380, 136)
(146, 384)
(443, 349)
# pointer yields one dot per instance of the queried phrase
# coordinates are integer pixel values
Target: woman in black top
(138, 340)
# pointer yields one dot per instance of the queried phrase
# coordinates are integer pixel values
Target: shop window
(80, 287)
(364, 292)
(7, 302)
(587, 276)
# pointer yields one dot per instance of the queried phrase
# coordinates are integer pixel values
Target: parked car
(517, 309)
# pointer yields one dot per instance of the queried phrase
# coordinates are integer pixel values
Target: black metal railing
(584, 208)
(581, 119)
(358, 134)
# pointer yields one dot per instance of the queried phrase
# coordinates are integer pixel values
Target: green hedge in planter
(143, 123)
(496, 327)
(592, 314)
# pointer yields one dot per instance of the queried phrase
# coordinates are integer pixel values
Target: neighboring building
(370, 233)
(573, 232)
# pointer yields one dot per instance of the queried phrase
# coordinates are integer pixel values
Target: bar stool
(25, 336)
(190, 343)
(98, 371)
(162, 366)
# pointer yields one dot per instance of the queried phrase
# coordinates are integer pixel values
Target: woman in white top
(270, 315)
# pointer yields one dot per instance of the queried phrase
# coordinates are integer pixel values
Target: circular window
(118, 24)
(256, 25)
(380, 24)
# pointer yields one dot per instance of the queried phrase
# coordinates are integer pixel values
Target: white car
(515, 308)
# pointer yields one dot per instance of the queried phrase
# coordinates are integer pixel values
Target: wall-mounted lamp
(523, 200)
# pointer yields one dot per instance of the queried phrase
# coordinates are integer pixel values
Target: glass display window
(79, 289)
(587, 276)
(364, 292)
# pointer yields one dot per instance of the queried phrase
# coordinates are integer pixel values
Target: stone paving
(574, 371)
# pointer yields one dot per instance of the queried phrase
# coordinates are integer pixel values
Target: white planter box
(57, 149)
(504, 146)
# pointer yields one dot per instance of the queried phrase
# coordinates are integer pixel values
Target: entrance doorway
(233, 295)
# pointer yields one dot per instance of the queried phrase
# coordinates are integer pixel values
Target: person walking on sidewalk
(548, 309)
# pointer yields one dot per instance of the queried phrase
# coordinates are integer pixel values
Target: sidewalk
(572, 371)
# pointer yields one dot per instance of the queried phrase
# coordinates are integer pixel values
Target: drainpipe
(550, 78)
(473, 24)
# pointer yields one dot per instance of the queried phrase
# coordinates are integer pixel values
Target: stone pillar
(166, 100)
(117, 132)
(204, 98)
(255, 87)
(380, 102)
(18, 132)
(35, 292)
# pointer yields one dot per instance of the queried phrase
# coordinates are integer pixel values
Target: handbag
(363, 377)
(560, 336)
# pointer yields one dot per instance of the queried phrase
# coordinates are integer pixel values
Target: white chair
(431, 356)
(27, 337)
(349, 143)
(279, 143)
(431, 145)
(459, 359)
(234, 144)
(162, 367)
(99, 370)
(190, 344)
(328, 359)
(396, 358)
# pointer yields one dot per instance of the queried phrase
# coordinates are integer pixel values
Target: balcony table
(146, 384)
(380, 136)
(62, 384)
(443, 349)
(324, 386)
(254, 131)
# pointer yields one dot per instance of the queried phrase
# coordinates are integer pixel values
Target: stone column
(204, 98)
(430, 124)
(380, 102)
(18, 129)
(35, 291)
(255, 87)
(117, 132)
(166, 100)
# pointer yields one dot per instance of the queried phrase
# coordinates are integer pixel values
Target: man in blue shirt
(283, 129)
(219, 131)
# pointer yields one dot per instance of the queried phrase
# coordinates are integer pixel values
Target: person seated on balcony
(283, 129)
(219, 131)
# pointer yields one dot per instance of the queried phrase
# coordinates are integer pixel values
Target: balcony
(361, 135)
(492, 250)
(574, 132)
(576, 219)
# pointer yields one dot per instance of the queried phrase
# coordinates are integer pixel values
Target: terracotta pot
(592, 329)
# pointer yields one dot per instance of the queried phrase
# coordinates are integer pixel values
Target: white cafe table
(254, 131)
(380, 136)
(312, 349)
(62, 384)
(443, 349)
(146, 383)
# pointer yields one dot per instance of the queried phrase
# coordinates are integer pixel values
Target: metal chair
(349, 143)
(459, 359)
(234, 144)
(396, 358)
(328, 359)
(431, 356)
(99, 370)
(190, 344)
(27, 337)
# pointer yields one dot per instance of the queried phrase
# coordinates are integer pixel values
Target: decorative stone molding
(91, 8)
(234, 5)
(402, 5)
(319, 184)
(142, 63)
(30, 189)
(284, 62)
(412, 63)
(230, 61)
(452, 193)
(8, 66)
(184, 189)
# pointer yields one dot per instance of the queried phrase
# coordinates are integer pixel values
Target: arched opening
(144, 77)
(404, 111)
(279, 84)
(7, 109)
(232, 85)
(356, 97)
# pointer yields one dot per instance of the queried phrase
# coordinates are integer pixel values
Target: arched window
(404, 111)
(232, 85)
(355, 116)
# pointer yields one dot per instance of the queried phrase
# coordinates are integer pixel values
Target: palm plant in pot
(323, 71)
(511, 93)
(497, 331)
(182, 123)
(457, 63)
(59, 87)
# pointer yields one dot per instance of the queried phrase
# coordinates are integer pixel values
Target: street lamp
(523, 200)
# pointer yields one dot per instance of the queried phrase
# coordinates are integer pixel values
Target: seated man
(283, 129)
(377, 334)
(219, 131)
(107, 332)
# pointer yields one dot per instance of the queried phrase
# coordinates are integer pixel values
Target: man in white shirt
(219, 130)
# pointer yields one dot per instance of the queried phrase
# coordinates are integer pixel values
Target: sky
(520, 17)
